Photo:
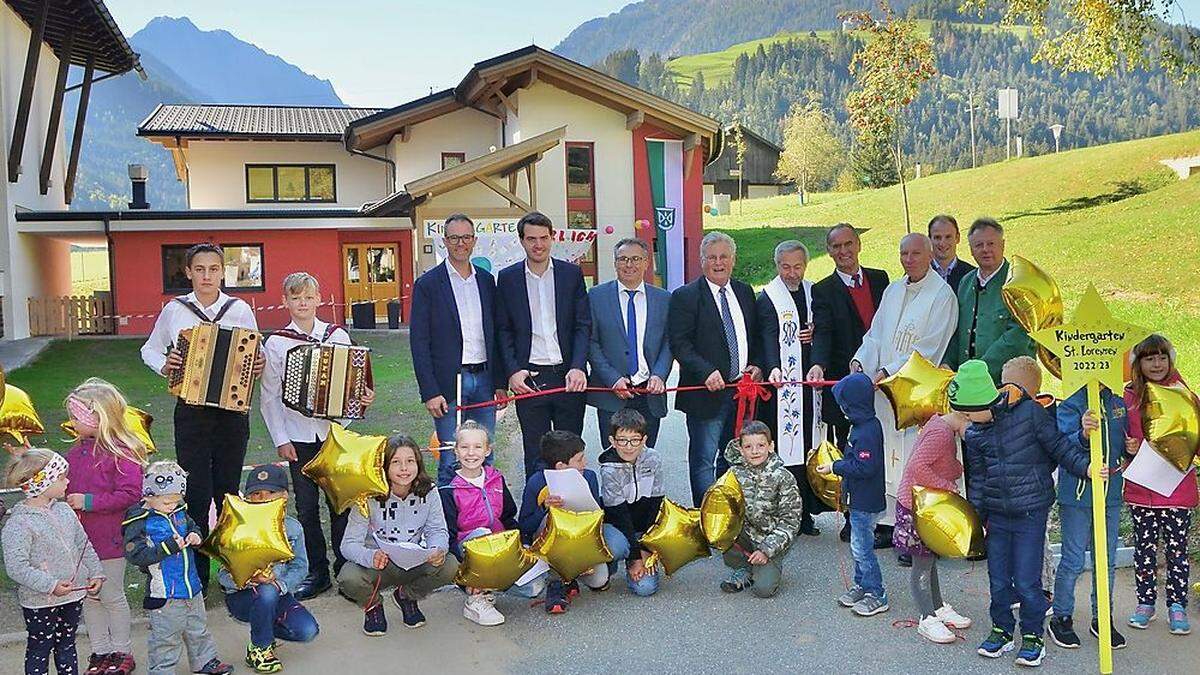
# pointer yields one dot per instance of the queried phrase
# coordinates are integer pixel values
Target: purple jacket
(468, 508)
(110, 486)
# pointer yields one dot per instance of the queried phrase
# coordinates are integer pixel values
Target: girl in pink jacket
(106, 479)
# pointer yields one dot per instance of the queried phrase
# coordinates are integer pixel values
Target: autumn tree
(812, 154)
(889, 69)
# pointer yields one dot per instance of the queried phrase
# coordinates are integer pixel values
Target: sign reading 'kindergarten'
(1092, 346)
(497, 244)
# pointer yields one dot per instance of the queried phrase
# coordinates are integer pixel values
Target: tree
(1098, 36)
(888, 70)
(812, 154)
(872, 164)
(623, 65)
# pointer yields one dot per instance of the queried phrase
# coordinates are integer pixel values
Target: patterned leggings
(1172, 525)
(52, 629)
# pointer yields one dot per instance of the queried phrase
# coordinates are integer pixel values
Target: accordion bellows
(218, 366)
(327, 380)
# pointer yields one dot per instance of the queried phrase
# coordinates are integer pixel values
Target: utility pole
(971, 109)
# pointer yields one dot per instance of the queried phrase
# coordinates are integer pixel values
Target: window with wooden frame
(450, 159)
(291, 183)
(243, 268)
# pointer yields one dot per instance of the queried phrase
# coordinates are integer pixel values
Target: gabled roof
(729, 129)
(264, 122)
(97, 35)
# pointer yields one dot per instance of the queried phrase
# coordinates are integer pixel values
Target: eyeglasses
(629, 442)
(724, 257)
(630, 259)
(459, 238)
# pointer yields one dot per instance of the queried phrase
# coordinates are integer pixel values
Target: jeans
(271, 615)
(1076, 542)
(639, 403)
(867, 574)
(707, 438)
(308, 512)
(177, 625)
(477, 387)
(1015, 548)
(541, 414)
(529, 589)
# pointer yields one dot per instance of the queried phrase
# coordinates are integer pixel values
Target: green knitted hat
(972, 388)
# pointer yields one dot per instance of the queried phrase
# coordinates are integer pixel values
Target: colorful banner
(497, 245)
(665, 158)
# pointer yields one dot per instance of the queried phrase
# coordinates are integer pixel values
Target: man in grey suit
(629, 346)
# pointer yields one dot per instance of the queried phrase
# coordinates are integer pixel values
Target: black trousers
(210, 445)
(308, 512)
(541, 414)
(639, 403)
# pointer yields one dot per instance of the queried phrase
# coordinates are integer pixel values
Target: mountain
(183, 64)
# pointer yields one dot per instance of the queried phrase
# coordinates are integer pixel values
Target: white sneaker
(477, 608)
(932, 629)
(951, 618)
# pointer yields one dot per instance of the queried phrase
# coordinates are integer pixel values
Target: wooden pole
(77, 137)
(20, 126)
(56, 106)
(1100, 535)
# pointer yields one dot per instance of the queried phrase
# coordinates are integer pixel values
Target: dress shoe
(312, 586)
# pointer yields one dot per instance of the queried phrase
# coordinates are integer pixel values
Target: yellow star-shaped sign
(1092, 346)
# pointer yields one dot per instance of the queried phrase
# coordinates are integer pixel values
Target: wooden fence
(71, 315)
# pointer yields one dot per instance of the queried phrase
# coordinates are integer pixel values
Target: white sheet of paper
(1152, 472)
(539, 568)
(405, 555)
(573, 488)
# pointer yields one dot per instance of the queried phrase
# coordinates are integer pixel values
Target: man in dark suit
(843, 305)
(447, 345)
(943, 232)
(713, 330)
(544, 327)
(629, 346)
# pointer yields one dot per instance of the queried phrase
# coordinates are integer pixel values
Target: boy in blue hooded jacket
(861, 469)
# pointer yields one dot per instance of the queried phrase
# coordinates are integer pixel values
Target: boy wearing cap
(1012, 448)
(160, 538)
(267, 602)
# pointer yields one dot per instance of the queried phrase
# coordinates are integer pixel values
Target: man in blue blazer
(543, 325)
(451, 333)
(629, 342)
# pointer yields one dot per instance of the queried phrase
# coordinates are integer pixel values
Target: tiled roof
(255, 121)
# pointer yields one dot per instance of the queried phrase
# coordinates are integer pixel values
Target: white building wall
(217, 173)
(469, 131)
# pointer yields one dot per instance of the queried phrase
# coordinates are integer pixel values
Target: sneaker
(479, 609)
(604, 587)
(556, 597)
(1142, 616)
(737, 581)
(572, 589)
(851, 597)
(932, 629)
(870, 605)
(413, 616)
(374, 621)
(97, 664)
(1062, 631)
(951, 618)
(262, 659)
(997, 642)
(1118, 640)
(215, 667)
(120, 664)
(1179, 620)
(1033, 650)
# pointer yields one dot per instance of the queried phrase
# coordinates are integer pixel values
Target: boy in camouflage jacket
(773, 513)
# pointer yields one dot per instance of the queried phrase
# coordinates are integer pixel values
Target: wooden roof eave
(367, 136)
(495, 163)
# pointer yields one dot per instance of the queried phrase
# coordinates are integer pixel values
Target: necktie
(857, 280)
(631, 343)
(735, 359)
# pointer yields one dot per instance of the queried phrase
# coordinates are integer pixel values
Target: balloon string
(759, 386)
(375, 591)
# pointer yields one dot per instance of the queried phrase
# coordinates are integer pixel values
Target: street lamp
(1057, 129)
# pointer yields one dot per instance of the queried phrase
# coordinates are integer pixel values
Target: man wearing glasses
(452, 335)
(629, 353)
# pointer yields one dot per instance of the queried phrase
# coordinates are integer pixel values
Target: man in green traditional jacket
(986, 329)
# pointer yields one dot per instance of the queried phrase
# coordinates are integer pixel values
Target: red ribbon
(747, 395)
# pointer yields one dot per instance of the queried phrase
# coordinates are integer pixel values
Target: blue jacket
(288, 575)
(608, 352)
(533, 511)
(1010, 461)
(150, 545)
(514, 327)
(1114, 425)
(435, 333)
(861, 467)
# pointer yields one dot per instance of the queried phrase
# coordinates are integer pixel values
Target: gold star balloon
(1172, 423)
(249, 538)
(1093, 346)
(946, 523)
(723, 512)
(826, 486)
(572, 542)
(676, 538)
(1036, 302)
(349, 468)
(136, 420)
(918, 391)
(17, 416)
(494, 562)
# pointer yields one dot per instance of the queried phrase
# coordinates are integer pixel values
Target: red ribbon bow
(747, 394)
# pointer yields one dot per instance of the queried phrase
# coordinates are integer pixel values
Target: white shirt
(543, 317)
(848, 279)
(739, 323)
(477, 481)
(175, 317)
(284, 424)
(470, 315)
(639, 306)
(983, 281)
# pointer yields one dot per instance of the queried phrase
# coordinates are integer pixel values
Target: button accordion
(327, 380)
(218, 366)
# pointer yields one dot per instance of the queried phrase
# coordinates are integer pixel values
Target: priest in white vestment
(918, 312)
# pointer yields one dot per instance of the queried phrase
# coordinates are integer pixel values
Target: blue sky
(383, 53)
